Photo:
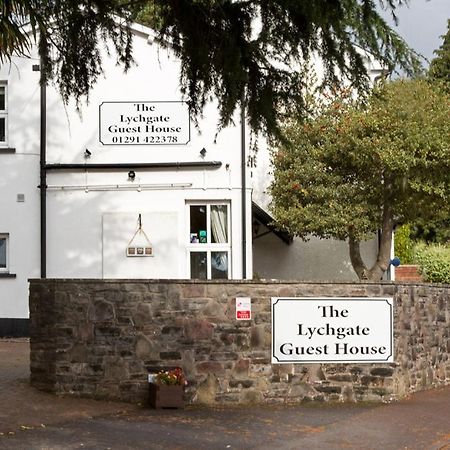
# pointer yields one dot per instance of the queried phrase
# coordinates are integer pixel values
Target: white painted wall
(87, 229)
(19, 174)
(119, 229)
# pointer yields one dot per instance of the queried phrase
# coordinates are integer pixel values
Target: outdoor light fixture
(87, 154)
(131, 175)
(203, 152)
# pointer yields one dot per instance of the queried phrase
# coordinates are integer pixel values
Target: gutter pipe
(43, 175)
(243, 196)
(112, 166)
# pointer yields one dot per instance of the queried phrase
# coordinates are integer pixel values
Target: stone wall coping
(232, 282)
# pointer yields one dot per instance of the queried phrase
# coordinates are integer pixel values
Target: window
(4, 252)
(209, 241)
(3, 114)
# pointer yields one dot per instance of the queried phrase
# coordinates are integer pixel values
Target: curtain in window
(219, 265)
(219, 224)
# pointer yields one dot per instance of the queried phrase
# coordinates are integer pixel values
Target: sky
(422, 23)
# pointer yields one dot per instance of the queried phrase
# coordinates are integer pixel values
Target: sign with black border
(332, 330)
(144, 123)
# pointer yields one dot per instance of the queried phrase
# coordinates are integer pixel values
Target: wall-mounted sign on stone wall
(197, 331)
(144, 123)
(307, 330)
(243, 308)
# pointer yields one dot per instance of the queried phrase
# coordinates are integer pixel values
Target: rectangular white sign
(144, 123)
(243, 308)
(346, 330)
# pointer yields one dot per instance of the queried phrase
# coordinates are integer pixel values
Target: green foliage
(431, 231)
(150, 14)
(434, 262)
(70, 37)
(440, 66)
(343, 167)
(222, 53)
(361, 167)
(403, 244)
(13, 39)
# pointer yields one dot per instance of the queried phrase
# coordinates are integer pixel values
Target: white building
(132, 157)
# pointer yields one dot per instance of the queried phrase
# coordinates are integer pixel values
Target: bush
(431, 231)
(434, 262)
(403, 245)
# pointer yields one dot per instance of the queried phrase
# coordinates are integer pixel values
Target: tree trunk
(355, 258)
(376, 272)
(384, 251)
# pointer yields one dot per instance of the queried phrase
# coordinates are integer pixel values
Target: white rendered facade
(92, 215)
(190, 202)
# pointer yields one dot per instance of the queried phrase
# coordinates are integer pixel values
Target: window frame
(5, 236)
(208, 247)
(4, 114)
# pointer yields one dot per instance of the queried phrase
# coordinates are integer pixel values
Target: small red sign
(243, 308)
(243, 315)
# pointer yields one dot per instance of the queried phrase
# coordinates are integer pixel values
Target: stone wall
(98, 338)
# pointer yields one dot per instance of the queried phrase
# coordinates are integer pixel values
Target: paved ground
(34, 420)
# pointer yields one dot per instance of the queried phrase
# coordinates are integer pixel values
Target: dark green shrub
(434, 262)
(431, 231)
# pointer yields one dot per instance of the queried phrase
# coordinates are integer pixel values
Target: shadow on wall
(88, 236)
(314, 260)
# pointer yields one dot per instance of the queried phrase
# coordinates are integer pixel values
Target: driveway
(30, 419)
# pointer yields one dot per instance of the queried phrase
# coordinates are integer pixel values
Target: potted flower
(167, 389)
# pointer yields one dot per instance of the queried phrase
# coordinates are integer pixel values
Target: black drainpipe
(43, 178)
(243, 198)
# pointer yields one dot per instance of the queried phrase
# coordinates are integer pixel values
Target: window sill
(7, 150)
(7, 275)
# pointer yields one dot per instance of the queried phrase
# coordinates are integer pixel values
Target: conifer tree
(242, 52)
(440, 65)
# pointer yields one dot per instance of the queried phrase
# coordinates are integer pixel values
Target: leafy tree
(440, 66)
(362, 167)
(240, 51)
(431, 231)
(438, 230)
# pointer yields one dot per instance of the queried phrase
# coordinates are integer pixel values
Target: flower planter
(166, 396)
